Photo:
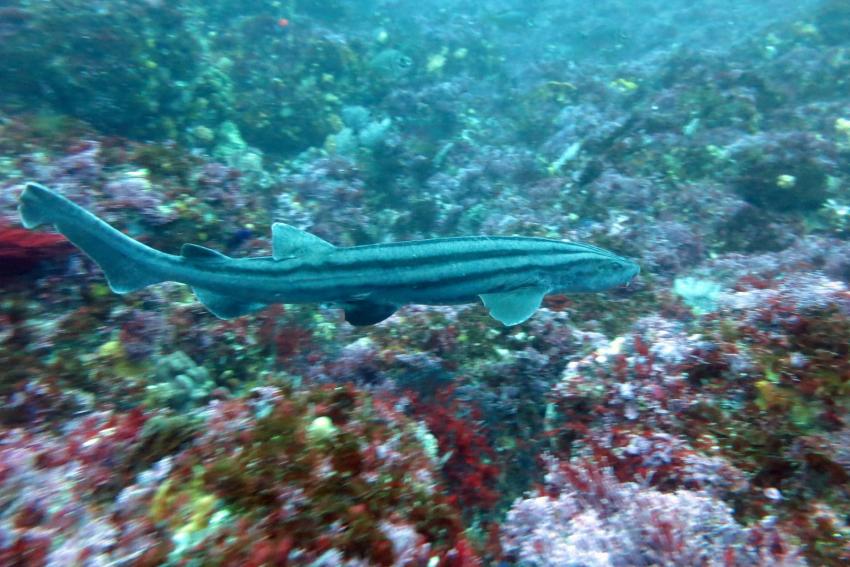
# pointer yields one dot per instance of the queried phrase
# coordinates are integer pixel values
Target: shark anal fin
(224, 306)
(513, 307)
(288, 241)
(360, 313)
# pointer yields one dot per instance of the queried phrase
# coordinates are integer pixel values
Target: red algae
(22, 250)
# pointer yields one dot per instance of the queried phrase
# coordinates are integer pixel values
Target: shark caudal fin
(128, 264)
(32, 208)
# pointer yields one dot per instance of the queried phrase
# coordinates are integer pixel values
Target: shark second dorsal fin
(195, 252)
(288, 241)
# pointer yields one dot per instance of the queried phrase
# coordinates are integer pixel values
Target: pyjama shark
(509, 274)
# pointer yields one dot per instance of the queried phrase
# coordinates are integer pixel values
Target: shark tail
(128, 264)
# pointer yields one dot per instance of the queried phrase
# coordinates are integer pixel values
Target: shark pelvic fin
(224, 306)
(220, 305)
(513, 307)
(288, 241)
(360, 313)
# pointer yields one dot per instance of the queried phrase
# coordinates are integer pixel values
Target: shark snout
(630, 271)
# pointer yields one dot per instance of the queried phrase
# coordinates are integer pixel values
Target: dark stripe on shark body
(421, 285)
(445, 252)
(331, 278)
(497, 240)
(354, 263)
(440, 248)
(363, 265)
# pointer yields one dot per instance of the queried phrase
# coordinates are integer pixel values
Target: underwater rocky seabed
(699, 417)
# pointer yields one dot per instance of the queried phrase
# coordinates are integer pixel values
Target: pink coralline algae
(587, 518)
(52, 489)
(85, 173)
(321, 478)
(277, 478)
(325, 195)
(740, 404)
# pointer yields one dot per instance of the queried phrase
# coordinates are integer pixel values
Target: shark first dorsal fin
(513, 307)
(288, 241)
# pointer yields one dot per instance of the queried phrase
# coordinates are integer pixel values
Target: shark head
(616, 272)
(596, 273)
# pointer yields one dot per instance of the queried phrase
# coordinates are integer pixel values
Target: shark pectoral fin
(360, 313)
(224, 306)
(513, 307)
(288, 241)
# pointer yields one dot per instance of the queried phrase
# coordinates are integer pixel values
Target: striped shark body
(509, 274)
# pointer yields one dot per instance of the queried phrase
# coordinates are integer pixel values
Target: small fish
(239, 238)
(510, 275)
(391, 64)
